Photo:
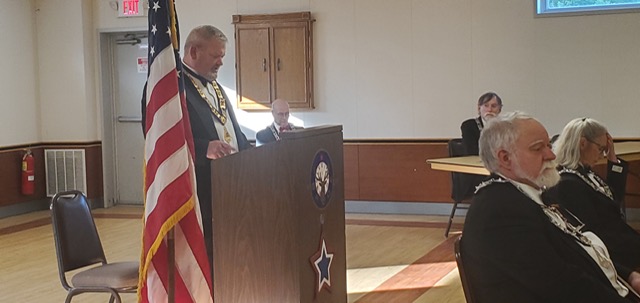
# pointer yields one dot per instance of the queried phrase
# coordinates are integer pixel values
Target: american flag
(169, 184)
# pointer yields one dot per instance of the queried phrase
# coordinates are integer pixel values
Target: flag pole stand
(172, 265)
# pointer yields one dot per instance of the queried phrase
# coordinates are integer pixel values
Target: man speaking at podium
(216, 132)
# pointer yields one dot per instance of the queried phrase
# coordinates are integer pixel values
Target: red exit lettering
(130, 7)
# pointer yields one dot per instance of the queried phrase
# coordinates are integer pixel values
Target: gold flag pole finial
(174, 37)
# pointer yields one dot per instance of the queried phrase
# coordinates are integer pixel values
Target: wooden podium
(272, 208)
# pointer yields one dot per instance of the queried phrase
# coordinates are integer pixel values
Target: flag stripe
(192, 271)
(161, 84)
(167, 116)
(157, 217)
(164, 64)
(167, 162)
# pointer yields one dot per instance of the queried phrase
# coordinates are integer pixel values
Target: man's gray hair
(500, 133)
(567, 148)
(203, 33)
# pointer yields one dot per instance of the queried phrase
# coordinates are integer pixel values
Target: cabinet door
(290, 64)
(253, 67)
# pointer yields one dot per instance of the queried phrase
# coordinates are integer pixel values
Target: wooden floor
(389, 258)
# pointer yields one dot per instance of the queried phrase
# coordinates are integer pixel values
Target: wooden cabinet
(274, 60)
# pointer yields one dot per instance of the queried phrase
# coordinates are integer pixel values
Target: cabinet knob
(278, 65)
(264, 64)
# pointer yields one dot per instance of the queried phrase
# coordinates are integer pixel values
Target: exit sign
(132, 8)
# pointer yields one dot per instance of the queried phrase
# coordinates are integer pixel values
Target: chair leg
(453, 212)
(71, 293)
(115, 297)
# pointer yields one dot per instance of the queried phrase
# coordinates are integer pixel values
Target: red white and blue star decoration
(321, 263)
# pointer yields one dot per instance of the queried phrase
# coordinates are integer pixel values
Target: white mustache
(549, 165)
(549, 176)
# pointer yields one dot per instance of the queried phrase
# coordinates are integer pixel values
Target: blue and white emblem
(321, 179)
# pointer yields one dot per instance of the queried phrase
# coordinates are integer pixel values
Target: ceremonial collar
(560, 217)
(591, 178)
(495, 178)
(275, 131)
(193, 73)
(480, 123)
(528, 190)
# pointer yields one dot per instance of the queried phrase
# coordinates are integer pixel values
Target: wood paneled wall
(397, 171)
(373, 171)
(11, 169)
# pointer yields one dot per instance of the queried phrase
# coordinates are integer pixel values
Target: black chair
(462, 185)
(466, 287)
(78, 246)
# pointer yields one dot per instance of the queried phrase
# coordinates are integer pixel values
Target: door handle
(129, 119)
(264, 64)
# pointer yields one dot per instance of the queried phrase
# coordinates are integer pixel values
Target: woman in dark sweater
(596, 202)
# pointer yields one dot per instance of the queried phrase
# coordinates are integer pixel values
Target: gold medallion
(227, 135)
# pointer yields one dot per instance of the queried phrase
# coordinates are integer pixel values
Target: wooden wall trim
(374, 170)
(22, 147)
(396, 171)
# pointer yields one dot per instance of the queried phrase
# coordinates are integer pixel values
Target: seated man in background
(280, 112)
(489, 106)
(581, 145)
(517, 248)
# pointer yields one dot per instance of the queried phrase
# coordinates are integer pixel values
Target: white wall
(383, 69)
(19, 106)
(65, 38)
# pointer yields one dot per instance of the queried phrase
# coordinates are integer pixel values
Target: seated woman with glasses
(596, 202)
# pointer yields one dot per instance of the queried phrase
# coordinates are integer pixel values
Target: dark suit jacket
(470, 138)
(513, 253)
(471, 135)
(602, 214)
(203, 130)
(266, 135)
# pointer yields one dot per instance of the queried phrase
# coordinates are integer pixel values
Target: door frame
(107, 73)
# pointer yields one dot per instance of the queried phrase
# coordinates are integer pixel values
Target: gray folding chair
(78, 246)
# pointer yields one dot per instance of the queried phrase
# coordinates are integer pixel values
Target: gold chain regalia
(221, 115)
(602, 187)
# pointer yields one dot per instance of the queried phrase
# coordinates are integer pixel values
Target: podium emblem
(321, 179)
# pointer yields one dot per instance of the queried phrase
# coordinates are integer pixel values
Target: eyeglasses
(603, 149)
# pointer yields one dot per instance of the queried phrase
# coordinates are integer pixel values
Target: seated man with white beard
(517, 248)
(489, 106)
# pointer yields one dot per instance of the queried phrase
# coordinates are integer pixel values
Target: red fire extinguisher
(28, 176)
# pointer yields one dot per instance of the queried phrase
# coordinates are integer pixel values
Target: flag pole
(171, 235)
(172, 263)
